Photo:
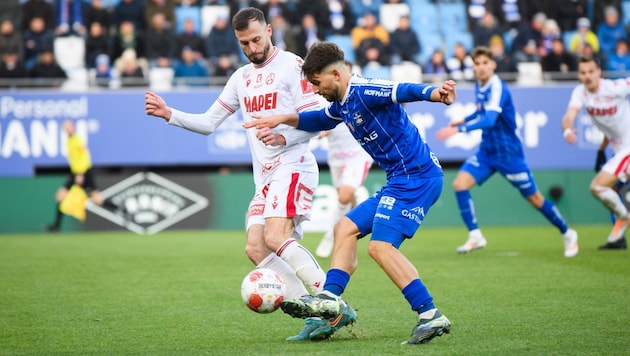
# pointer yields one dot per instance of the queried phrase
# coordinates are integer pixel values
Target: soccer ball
(263, 290)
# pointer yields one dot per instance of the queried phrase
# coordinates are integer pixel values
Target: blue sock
(418, 296)
(336, 281)
(467, 209)
(552, 214)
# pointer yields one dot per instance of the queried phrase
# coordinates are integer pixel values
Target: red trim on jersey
(226, 106)
(291, 209)
(306, 106)
(284, 246)
(273, 55)
(623, 165)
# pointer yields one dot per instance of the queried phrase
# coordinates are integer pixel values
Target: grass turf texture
(179, 293)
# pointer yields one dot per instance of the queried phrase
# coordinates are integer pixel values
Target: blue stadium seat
(452, 16)
(187, 12)
(345, 43)
(377, 72)
(625, 12)
(429, 42)
(424, 18)
(566, 38)
(465, 38)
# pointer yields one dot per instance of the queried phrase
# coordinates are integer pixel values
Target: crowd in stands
(127, 41)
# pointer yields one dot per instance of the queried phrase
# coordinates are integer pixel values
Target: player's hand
(600, 160)
(269, 138)
(447, 92)
(456, 123)
(570, 136)
(154, 105)
(446, 132)
(260, 122)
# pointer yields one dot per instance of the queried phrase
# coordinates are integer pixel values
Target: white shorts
(286, 196)
(351, 172)
(619, 165)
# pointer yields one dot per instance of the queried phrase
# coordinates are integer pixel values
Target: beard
(265, 53)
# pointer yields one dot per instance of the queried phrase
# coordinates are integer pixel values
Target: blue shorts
(516, 171)
(396, 211)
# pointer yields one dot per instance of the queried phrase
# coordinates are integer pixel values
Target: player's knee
(378, 249)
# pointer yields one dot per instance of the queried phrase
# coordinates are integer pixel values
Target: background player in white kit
(285, 176)
(349, 165)
(606, 103)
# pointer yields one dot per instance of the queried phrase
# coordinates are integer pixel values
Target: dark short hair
(244, 16)
(586, 59)
(320, 56)
(481, 51)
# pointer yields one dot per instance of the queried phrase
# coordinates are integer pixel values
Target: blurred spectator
(525, 47)
(130, 10)
(127, 37)
(341, 17)
(568, 11)
(164, 7)
(584, 36)
(159, 42)
(404, 44)
(511, 14)
(12, 9)
(97, 42)
(130, 70)
(550, 32)
(37, 8)
(188, 67)
(308, 34)
(460, 65)
(10, 39)
(225, 67)
(362, 7)
(273, 8)
(369, 35)
(485, 29)
(11, 67)
(619, 59)
(191, 3)
(236, 5)
(96, 12)
(505, 64)
(47, 68)
(70, 18)
(282, 33)
(319, 10)
(221, 41)
(610, 31)
(104, 73)
(36, 37)
(558, 59)
(190, 38)
(598, 9)
(436, 65)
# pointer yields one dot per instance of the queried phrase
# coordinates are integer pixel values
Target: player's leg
(59, 196)
(403, 218)
(621, 244)
(474, 171)
(602, 188)
(345, 202)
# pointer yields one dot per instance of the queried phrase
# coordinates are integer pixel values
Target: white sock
(295, 287)
(429, 314)
(612, 201)
(476, 233)
(339, 211)
(304, 265)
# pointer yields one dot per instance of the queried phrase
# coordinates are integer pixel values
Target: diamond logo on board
(153, 202)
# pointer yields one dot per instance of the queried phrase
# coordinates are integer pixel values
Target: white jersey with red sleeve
(608, 109)
(276, 86)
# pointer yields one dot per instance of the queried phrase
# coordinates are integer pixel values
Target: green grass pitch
(178, 293)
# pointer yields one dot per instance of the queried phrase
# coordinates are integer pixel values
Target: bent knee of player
(463, 181)
(346, 228)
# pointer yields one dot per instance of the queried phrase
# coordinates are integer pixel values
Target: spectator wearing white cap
(584, 36)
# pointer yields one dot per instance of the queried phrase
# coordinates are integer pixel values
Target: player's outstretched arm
(272, 121)
(567, 125)
(154, 105)
(445, 93)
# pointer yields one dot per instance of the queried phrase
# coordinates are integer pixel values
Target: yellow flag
(74, 203)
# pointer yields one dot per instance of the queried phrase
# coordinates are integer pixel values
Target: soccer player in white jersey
(606, 103)
(285, 174)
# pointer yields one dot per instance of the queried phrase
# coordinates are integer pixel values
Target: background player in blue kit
(500, 151)
(373, 112)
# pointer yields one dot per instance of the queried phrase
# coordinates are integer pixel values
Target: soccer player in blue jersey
(500, 151)
(372, 110)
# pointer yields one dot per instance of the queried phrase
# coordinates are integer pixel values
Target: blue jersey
(496, 117)
(372, 111)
